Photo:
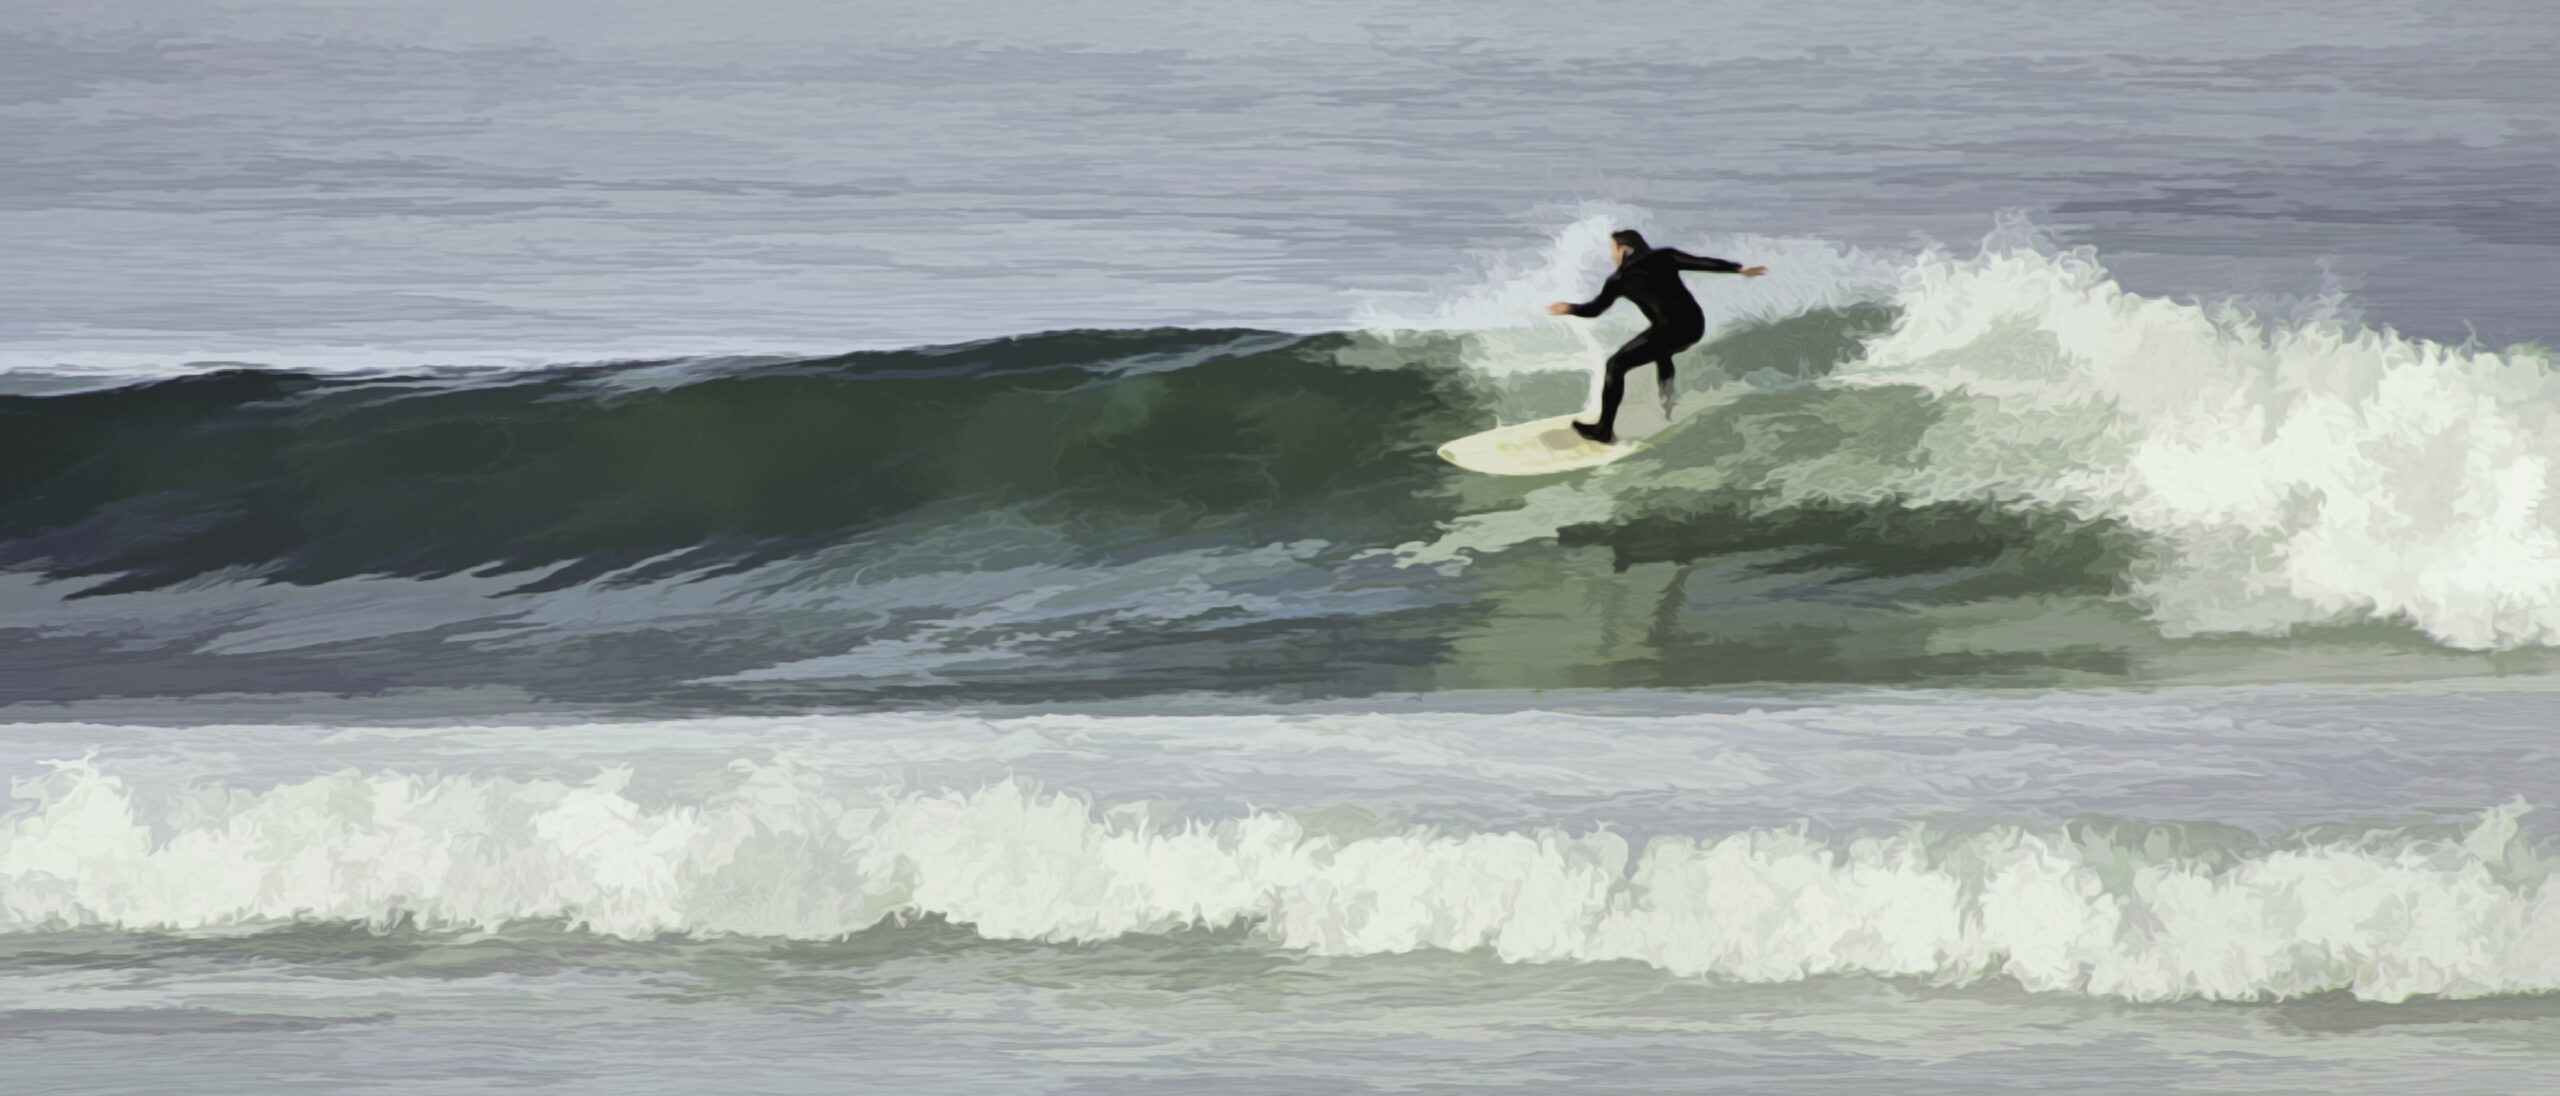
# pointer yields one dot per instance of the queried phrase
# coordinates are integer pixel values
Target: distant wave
(2115, 910)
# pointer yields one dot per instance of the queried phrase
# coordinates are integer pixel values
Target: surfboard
(1536, 448)
(1545, 447)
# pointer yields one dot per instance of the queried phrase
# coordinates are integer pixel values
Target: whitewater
(825, 830)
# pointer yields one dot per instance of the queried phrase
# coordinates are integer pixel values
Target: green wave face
(1234, 435)
(1077, 515)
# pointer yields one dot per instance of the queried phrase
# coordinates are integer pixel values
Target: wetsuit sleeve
(1686, 261)
(1597, 305)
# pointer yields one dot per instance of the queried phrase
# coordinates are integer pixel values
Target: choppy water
(813, 548)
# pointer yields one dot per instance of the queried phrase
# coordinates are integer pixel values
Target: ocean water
(807, 547)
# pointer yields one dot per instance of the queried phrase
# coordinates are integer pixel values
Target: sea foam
(781, 853)
(2297, 473)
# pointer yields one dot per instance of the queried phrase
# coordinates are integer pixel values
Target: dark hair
(1632, 238)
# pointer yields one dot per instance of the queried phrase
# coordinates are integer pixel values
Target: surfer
(1649, 276)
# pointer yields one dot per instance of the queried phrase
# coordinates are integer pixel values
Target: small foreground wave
(2131, 911)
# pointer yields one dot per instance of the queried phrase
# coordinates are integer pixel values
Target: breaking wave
(2134, 911)
(2226, 470)
(2291, 473)
(2014, 424)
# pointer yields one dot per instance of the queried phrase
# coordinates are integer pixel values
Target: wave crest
(2298, 473)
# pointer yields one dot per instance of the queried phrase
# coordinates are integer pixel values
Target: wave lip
(2086, 909)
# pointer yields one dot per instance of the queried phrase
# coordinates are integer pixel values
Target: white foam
(2300, 473)
(782, 853)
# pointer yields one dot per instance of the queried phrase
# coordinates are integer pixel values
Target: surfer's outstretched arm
(1593, 307)
(1686, 261)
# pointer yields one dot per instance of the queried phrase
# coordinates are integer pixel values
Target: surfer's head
(1624, 244)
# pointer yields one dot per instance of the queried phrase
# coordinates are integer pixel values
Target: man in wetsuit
(1649, 276)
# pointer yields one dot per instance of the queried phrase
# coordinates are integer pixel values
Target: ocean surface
(797, 547)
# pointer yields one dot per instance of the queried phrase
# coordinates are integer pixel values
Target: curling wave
(2095, 471)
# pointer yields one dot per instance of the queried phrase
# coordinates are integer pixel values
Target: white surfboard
(1548, 446)
(1532, 449)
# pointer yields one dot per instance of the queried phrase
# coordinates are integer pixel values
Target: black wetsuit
(1652, 280)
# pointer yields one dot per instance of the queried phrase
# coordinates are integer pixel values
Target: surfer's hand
(1752, 271)
(1559, 308)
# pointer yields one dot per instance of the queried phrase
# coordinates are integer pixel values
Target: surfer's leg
(1613, 384)
(1613, 390)
(1613, 387)
(1663, 371)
